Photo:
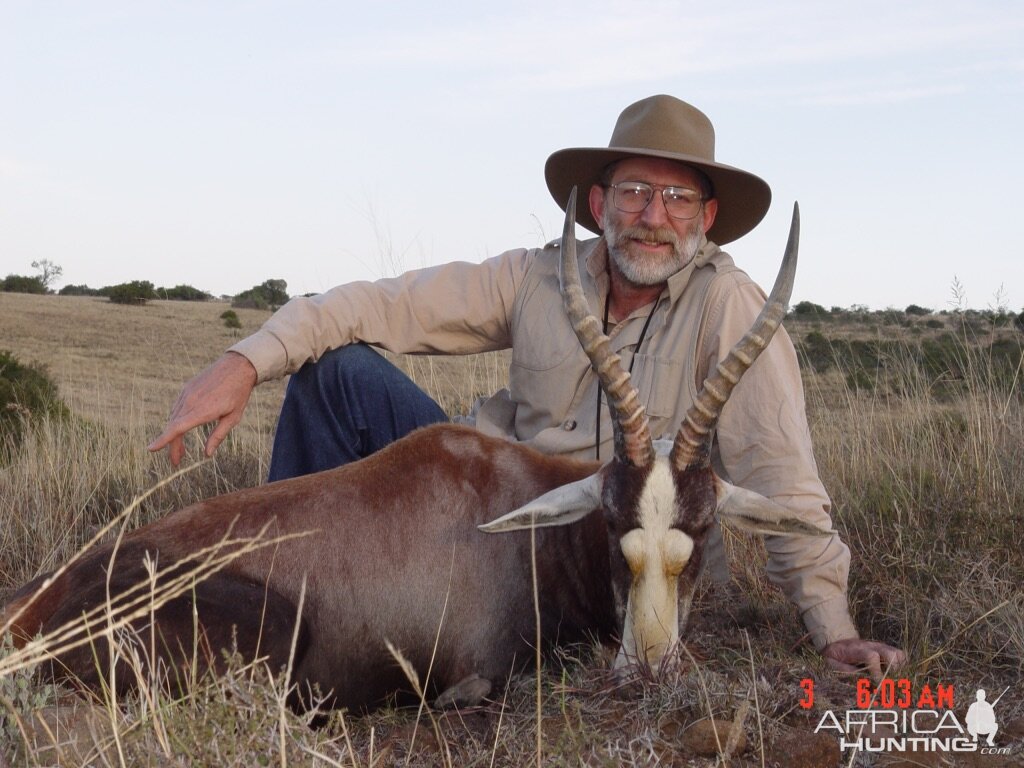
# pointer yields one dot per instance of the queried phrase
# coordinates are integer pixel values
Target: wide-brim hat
(664, 127)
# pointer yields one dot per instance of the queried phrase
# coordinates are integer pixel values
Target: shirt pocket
(660, 385)
(543, 340)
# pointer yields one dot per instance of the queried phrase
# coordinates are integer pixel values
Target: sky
(221, 144)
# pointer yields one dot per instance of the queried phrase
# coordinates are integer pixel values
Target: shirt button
(568, 425)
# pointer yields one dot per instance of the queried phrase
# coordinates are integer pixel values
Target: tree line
(269, 294)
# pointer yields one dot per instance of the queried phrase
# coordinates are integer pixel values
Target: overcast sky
(220, 144)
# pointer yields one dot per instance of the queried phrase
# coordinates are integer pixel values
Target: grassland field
(922, 455)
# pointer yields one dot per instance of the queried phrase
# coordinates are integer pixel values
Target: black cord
(636, 350)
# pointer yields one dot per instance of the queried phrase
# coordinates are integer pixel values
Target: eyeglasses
(634, 196)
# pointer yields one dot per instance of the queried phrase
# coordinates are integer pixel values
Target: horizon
(221, 145)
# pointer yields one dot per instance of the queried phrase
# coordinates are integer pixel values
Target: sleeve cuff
(829, 621)
(266, 353)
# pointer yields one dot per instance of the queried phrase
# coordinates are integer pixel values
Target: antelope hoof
(468, 692)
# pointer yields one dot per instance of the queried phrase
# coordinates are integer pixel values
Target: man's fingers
(224, 426)
(160, 441)
(177, 450)
(894, 658)
(873, 663)
(219, 394)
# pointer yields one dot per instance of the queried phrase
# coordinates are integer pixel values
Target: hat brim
(743, 198)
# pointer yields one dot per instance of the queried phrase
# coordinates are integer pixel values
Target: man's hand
(218, 393)
(856, 655)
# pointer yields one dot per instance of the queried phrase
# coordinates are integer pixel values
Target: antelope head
(659, 498)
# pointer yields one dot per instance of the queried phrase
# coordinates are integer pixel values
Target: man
(673, 305)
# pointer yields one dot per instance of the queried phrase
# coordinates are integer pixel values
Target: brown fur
(393, 537)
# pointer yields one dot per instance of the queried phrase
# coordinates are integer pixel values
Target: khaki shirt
(512, 300)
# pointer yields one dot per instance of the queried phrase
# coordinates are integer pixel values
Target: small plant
(20, 696)
(230, 319)
(26, 393)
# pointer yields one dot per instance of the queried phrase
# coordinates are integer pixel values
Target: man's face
(650, 246)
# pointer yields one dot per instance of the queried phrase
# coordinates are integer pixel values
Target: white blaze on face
(656, 554)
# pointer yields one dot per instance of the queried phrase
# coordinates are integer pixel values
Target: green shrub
(270, 294)
(809, 308)
(78, 290)
(914, 309)
(27, 393)
(135, 292)
(230, 319)
(183, 293)
(23, 284)
(816, 351)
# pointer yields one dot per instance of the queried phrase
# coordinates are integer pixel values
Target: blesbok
(393, 548)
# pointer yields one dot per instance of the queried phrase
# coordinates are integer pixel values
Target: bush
(135, 292)
(183, 293)
(23, 284)
(270, 294)
(914, 309)
(78, 290)
(809, 308)
(230, 319)
(27, 393)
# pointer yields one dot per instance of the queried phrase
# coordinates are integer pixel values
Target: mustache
(651, 235)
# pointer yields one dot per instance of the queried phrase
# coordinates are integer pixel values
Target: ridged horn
(629, 419)
(695, 431)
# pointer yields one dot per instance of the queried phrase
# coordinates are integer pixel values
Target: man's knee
(350, 364)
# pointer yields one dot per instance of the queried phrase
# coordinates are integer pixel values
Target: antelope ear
(561, 506)
(753, 513)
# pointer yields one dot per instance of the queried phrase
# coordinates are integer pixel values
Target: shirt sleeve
(456, 308)
(764, 444)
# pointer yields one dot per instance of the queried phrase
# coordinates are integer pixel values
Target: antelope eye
(632, 545)
(676, 549)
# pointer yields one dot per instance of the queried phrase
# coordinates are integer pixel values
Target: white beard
(646, 268)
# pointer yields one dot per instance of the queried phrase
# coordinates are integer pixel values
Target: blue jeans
(347, 405)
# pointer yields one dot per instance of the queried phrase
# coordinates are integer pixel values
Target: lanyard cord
(632, 359)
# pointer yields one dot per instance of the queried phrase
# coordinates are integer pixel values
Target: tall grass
(924, 472)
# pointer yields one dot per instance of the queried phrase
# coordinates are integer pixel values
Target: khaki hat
(664, 127)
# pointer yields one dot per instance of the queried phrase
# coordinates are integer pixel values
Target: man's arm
(457, 308)
(764, 443)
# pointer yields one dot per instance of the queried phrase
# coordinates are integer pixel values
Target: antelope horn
(629, 419)
(695, 431)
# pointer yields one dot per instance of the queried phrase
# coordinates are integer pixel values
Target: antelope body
(396, 548)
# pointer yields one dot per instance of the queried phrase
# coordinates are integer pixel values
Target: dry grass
(928, 493)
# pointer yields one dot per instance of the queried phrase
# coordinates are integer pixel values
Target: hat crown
(667, 128)
(665, 124)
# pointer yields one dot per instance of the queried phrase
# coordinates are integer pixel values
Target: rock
(805, 749)
(700, 738)
(72, 731)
